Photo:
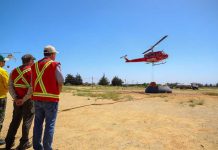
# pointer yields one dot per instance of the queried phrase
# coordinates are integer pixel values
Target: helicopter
(150, 56)
(9, 57)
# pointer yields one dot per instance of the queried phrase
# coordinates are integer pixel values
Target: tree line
(77, 80)
(116, 81)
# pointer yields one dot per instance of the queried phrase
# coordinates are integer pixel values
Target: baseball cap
(2, 58)
(50, 49)
(27, 58)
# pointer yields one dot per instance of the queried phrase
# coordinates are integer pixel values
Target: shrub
(116, 81)
(103, 81)
(78, 80)
(69, 80)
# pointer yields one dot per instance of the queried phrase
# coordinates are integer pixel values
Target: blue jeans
(3, 102)
(44, 111)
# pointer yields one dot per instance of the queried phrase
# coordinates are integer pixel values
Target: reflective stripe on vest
(40, 82)
(21, 73)
(45, 95)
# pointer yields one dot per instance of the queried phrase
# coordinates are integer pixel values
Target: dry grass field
(115, 118)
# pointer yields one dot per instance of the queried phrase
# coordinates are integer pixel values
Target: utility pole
(92, 81)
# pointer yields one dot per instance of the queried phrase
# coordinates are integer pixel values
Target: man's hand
(60, 87)
(19, 102)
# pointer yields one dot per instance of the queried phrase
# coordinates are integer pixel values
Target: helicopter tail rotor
(123, 56)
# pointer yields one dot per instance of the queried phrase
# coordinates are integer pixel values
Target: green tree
(103, 81)
(69, 79)
(116, 81)
(145, 84)
(78, 80)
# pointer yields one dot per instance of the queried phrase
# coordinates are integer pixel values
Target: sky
(92, 35)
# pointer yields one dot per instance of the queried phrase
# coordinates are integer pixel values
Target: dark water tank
(153, 88)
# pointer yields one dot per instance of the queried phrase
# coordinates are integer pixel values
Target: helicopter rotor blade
(159, 41)
(151, 49)
(11, 53)
(5, 53)
(17, 52)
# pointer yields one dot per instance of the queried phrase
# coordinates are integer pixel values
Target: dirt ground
(183, 120)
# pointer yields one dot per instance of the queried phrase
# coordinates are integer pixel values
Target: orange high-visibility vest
(21, 77)
(44, 82)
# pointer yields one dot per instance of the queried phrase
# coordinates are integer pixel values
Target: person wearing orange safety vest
(21, 91)
(3, 93)
(47, 81)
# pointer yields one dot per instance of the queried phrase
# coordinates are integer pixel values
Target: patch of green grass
(104, 95)
(110, 95)
(67, 89)
(194, 102)
(191, 100)
(211, 93)
(201, 102)
(163, 95)
(86, 94)
(101, 92)
(158, 95)
(181, 102)
(192, 105)
(83, 90)
(128, 98)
